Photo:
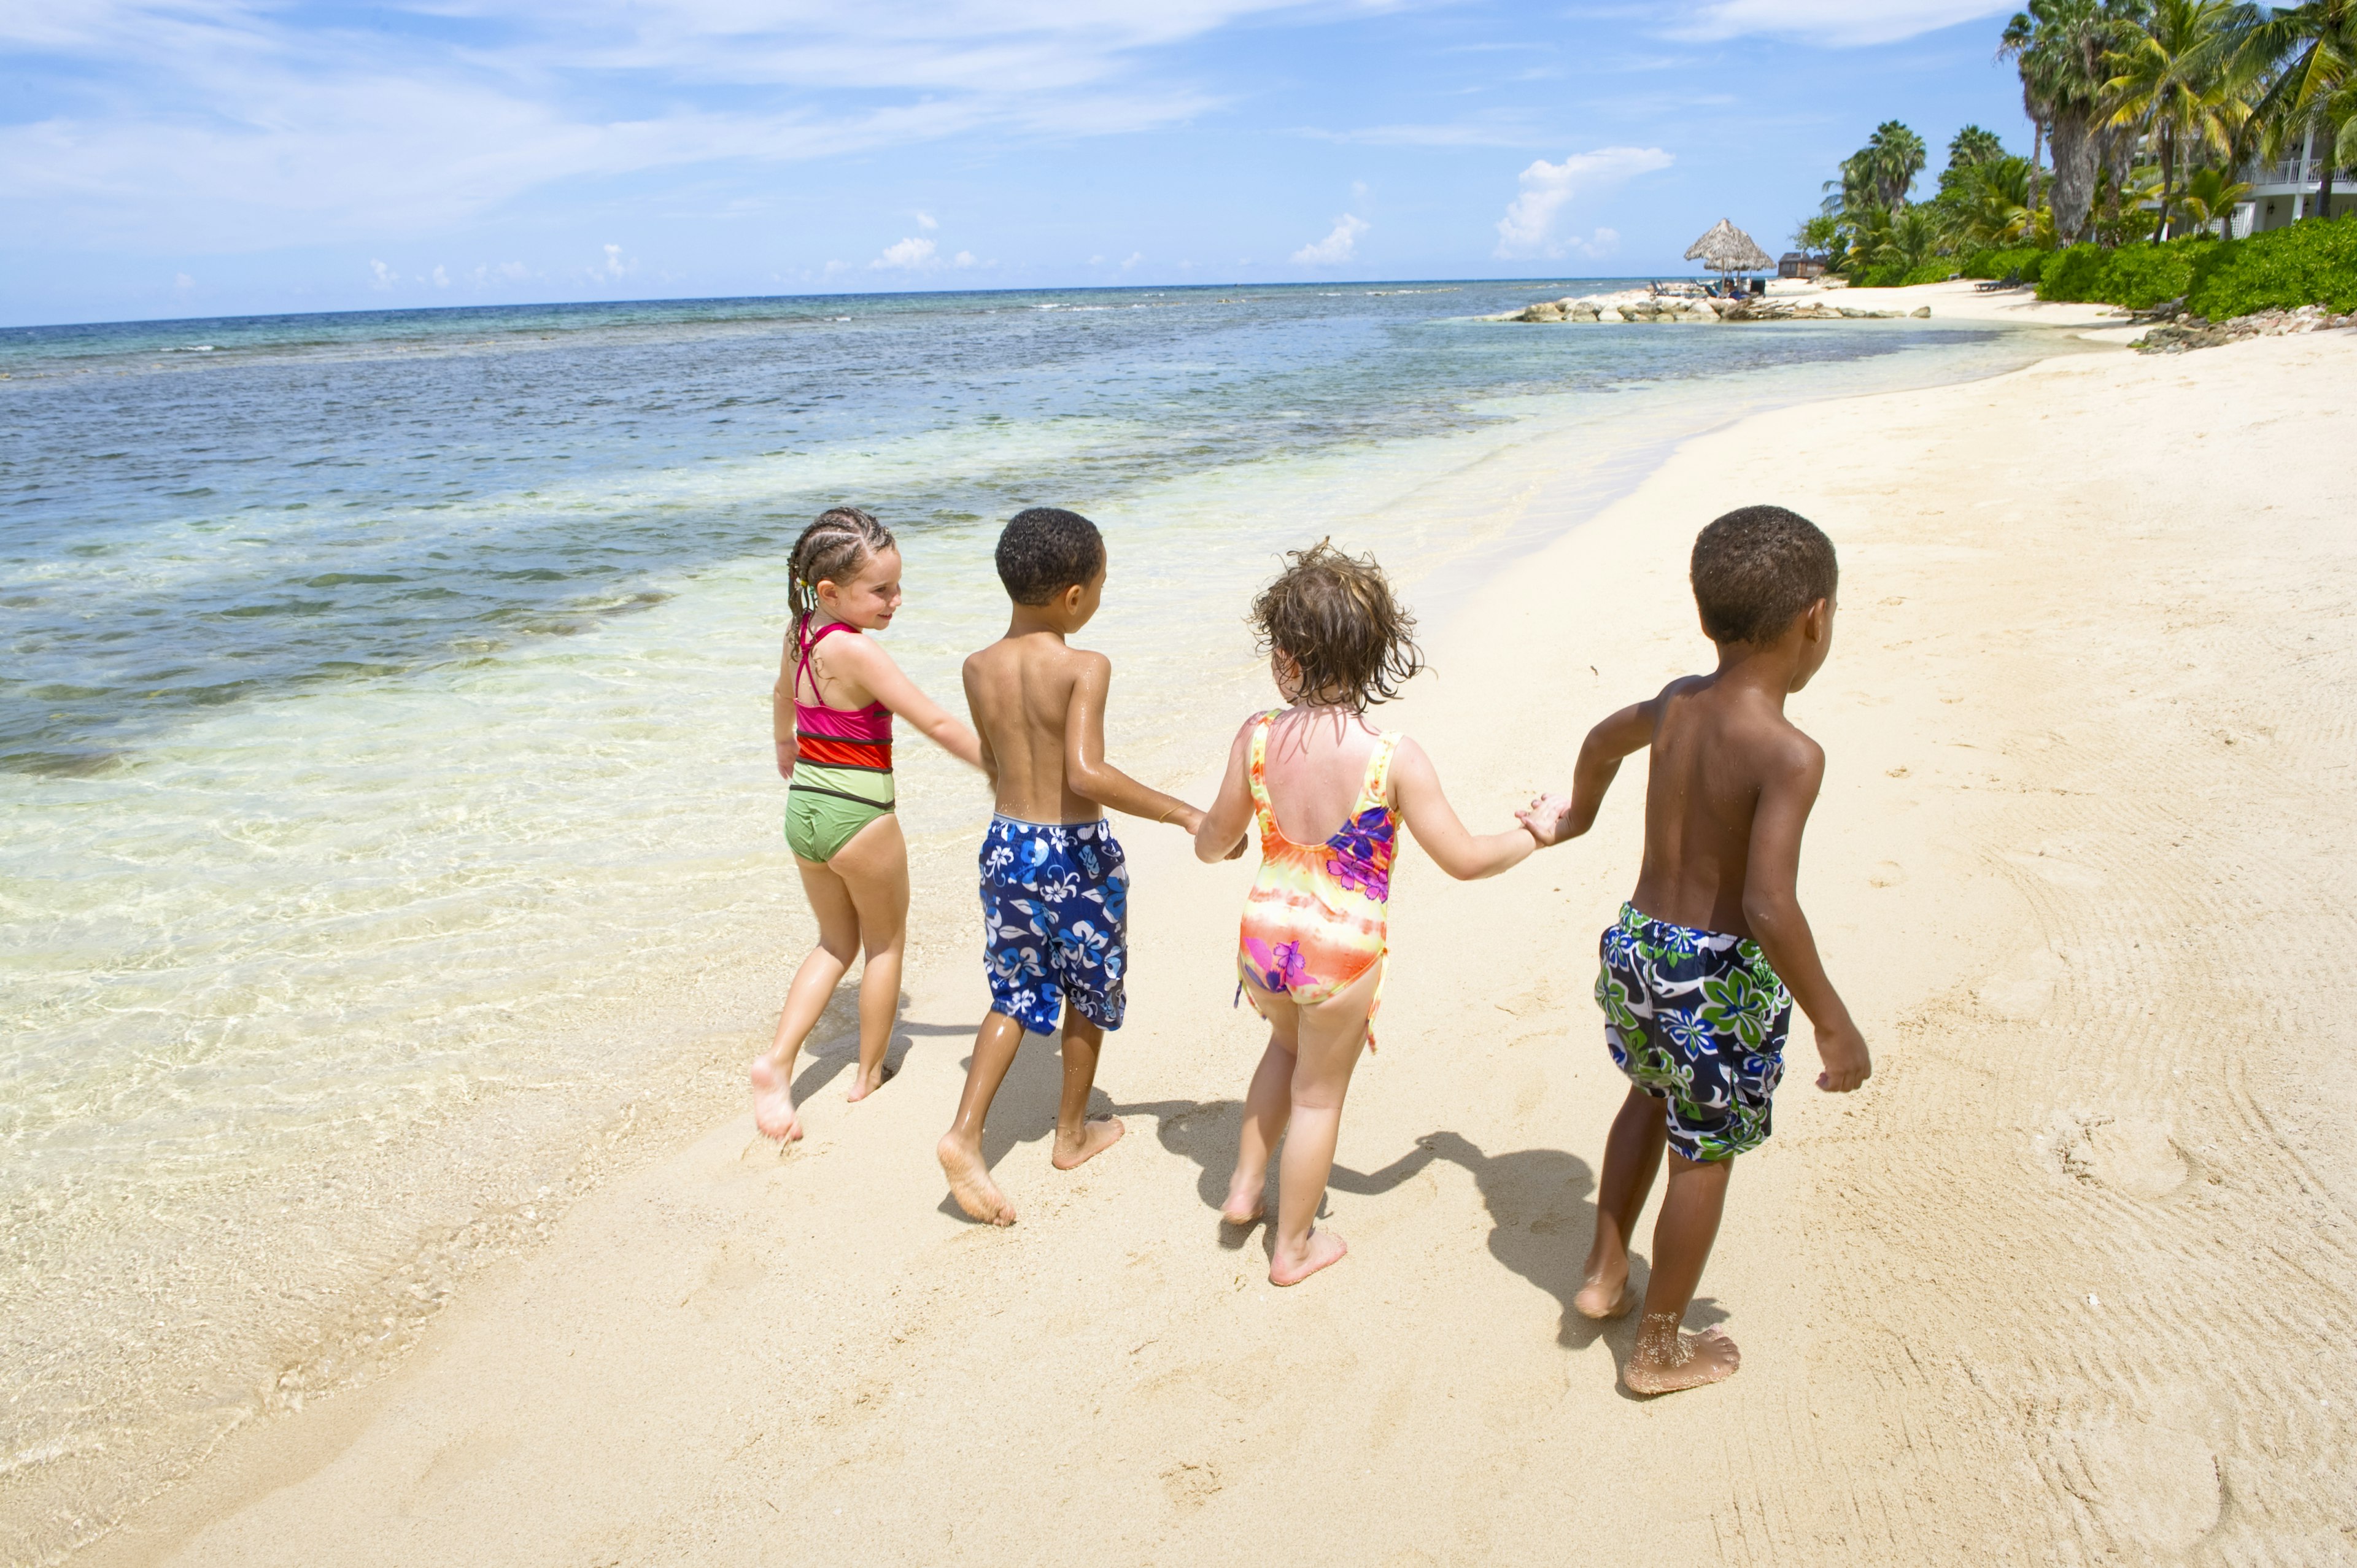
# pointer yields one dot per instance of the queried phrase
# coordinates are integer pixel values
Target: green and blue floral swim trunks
(1697, 1018)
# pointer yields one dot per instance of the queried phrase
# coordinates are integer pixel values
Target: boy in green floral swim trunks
(1695, 971)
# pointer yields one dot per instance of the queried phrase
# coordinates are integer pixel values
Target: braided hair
(841, 541)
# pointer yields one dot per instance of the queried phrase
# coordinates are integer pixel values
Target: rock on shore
(1638, 305)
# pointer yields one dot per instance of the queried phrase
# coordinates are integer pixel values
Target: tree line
(2146, 109)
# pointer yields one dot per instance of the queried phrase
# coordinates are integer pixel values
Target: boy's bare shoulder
(1779, 749)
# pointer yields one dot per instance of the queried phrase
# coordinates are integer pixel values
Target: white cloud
(614, 268)
(909, 255)
(1335, 247)
(385, 276)
(1839, 23)
(1132, 260)
(241, 124)
(963, 259)
(183, 281)
(441, 277)
(1528, 229)
(927, 221)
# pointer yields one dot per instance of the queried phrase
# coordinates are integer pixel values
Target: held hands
(1842, 1050)
(1548, 818)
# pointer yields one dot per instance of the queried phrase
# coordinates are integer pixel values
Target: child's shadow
(833, 1042)
(1543, 1220)
(1206, 1132)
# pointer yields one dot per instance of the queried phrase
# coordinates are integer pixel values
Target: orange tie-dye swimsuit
(1315, 921)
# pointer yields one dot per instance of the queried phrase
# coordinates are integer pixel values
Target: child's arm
(1086, 770)
(865, 661)
(1221, 834)
(1416, 787)
(1626, 732)
(1772, 906)
(782, 717)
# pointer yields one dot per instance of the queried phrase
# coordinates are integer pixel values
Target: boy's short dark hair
(1756, 569)
(1333, 615)
(1046, 550)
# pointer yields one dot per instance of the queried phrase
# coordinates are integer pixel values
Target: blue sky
(198, 157)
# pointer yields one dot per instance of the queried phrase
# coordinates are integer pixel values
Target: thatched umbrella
(1727, 248)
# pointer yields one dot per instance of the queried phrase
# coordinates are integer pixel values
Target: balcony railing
(2295, 171)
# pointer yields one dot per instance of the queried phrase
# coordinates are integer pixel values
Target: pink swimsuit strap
(872, 723)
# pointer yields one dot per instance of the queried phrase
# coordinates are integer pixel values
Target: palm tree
(2314, 47)
(2170, 77)
(1894, 155)
(2211, 197)
(2060, 47)
(1988, 206)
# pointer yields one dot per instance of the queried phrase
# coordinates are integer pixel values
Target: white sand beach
(2070, 1280)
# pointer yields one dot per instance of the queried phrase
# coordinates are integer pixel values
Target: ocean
(390, 836)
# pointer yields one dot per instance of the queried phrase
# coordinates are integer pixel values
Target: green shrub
(2073, 275)
(2141, 277)
(2308, 263)
(2028, 260)
(1938, 269)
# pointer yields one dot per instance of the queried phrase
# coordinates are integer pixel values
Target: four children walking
(1699, 972)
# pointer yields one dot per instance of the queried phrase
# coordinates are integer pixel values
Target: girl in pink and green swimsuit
(1313, 944)
(837, 695)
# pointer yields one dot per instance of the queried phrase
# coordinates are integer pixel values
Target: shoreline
(357, 1445)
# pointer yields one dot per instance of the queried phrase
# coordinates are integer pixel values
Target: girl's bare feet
(1666, 1360)
(1095, 1137)
(773, 1103)
(970, 1182)
(1245, 1202)
(1322, 1248)
(863, 1084)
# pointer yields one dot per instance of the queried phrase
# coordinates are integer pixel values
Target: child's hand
(1546, 817)
(1842, 1050)
(786, 760)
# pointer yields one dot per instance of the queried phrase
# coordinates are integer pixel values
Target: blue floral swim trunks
(1055, 921)
(1697, 1018)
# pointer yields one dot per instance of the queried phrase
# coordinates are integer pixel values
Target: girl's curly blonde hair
(1333, 615)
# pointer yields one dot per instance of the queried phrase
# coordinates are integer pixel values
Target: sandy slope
(2070, 1282)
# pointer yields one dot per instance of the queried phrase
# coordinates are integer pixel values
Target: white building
(2284, 191)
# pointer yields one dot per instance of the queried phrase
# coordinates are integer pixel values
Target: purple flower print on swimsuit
(1363, 854)
(1278, 969)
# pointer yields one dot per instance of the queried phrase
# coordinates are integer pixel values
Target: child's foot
(1247, 1202)
(970, 1182)
(773, 1103)
(1095, 1138)
(863, 1084)
(1606, 1294)
(1322, 1248)
(1666, 1360)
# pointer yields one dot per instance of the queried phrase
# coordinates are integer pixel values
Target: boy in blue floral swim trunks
(1055, 887)
(1696, 970)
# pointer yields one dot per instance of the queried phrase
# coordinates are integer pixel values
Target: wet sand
(2070, 1280)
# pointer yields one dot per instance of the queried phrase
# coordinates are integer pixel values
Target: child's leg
(960, 1150)
(1078, 1138)
(1666, 1360)
(1333, 1033)
(874, 867)
(806, 998)
(1632, 1155)
(1268, 1104)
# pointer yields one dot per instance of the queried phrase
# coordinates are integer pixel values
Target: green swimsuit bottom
(826, 806)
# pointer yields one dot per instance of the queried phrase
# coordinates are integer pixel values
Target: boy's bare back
(1726, 768)
(1032, 696)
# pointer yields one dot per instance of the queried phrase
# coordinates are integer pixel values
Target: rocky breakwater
(1637, 304)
